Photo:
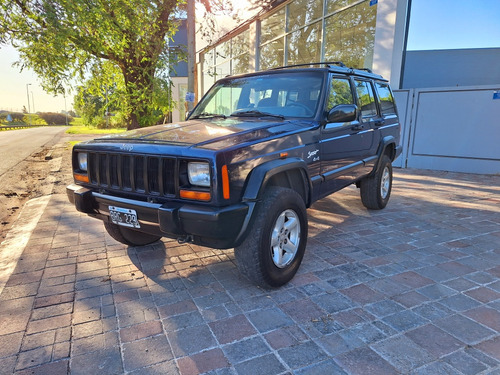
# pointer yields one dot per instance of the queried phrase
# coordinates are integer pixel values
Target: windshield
(293, 94)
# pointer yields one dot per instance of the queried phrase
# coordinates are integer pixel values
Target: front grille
(150, 175)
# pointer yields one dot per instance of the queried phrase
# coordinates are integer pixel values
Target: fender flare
(258, 179)
(385, 142)
(260, 176)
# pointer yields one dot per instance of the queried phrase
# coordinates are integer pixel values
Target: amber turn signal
(225, 183)
(81, 177)
(195, 195)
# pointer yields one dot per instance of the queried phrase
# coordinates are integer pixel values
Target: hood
(211, 134)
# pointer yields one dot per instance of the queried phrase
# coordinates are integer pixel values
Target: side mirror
(343, 113)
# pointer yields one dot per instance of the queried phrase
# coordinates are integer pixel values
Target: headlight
(82, 161)
(199, 174)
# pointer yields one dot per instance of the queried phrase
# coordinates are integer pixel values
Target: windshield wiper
(208, 115)
(255, 113)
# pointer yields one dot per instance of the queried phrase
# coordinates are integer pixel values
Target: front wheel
(376, 189)
(129, 236)
(273, 250)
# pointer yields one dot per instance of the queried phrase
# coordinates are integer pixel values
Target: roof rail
(327, 63)
(365, 69)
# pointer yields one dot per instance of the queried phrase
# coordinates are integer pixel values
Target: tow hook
(185, 239)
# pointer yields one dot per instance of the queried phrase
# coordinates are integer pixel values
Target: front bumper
(220, 227)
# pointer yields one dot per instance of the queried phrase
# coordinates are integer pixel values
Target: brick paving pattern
(412, 289)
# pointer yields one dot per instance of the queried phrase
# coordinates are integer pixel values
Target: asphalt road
(17, 145)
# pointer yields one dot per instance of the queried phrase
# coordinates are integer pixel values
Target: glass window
(240, 44)
(223, 52)
(208, 79)
(272, 26)
(293, 95)
(366, 98)
(182, 101)
(387, 106)
(309, 36)
(241, 64)
(209, 57)
(223, 70)
(272, 55)
(303, 12)
(224, 101)
(334, 5)
(340, 93)
(350, 36)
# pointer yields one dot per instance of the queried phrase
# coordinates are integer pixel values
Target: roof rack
(327, 63)
(365, 69)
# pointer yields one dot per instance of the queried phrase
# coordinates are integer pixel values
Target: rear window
(366, 98)
(386, 99)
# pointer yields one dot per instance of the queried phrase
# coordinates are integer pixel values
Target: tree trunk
(139, 86)
(133, 122)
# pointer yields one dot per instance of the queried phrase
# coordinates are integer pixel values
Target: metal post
(191, 51)
(65, 111)
(28, 96)
(33, 101)
(29, 109)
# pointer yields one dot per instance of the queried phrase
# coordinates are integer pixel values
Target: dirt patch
(45, 172)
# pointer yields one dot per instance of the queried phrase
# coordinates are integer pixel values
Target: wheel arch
(387, 147)
(290, 173)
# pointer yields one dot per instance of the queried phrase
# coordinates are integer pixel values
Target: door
(344, 145)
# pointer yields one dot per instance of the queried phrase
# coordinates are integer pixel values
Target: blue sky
(450, 24)
(435, 24)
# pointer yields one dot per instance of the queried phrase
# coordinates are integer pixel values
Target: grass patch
(82, 129)
(71, 144)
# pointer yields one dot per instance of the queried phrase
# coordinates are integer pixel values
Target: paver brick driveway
(412, 289)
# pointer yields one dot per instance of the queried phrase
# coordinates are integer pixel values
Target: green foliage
(66, 39)
(102, 100)
(17, 118)
(81, 129)
(52, 118)
(33, 119)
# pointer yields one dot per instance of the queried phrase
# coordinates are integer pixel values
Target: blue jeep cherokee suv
(256, 151)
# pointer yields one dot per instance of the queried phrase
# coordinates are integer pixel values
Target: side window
(387, 106)
(340, 93)
(366, 98)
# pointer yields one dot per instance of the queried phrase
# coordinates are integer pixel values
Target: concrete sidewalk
(412, 289)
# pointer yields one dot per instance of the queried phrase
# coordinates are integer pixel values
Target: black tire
(258, 259)
(129, 236)
(376, 190)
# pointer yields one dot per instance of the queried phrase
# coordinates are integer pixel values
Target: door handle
(358, 127)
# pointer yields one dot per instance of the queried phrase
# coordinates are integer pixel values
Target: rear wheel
(376, 189)
(273, 250)
(129, 236)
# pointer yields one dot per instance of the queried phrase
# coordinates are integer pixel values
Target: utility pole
(191, 28)
(29, 109)
(33, 101)
(65, 111)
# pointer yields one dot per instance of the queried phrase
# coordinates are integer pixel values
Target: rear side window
(387, 106)
(366, 98)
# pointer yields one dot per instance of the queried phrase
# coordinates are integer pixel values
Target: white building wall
(389, 39)
(450, 129)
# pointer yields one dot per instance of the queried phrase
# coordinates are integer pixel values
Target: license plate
(124, 217)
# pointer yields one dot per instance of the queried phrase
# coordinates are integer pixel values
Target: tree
(66, 39)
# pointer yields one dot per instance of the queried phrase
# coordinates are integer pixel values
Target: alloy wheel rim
(385, 184)
(285, 238)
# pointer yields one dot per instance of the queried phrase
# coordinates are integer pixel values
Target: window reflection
(272, 26)
(350, 36)
(304, 45)
(272, 55)
(303, 12)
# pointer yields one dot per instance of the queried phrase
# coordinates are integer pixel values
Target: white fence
(452, 129)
